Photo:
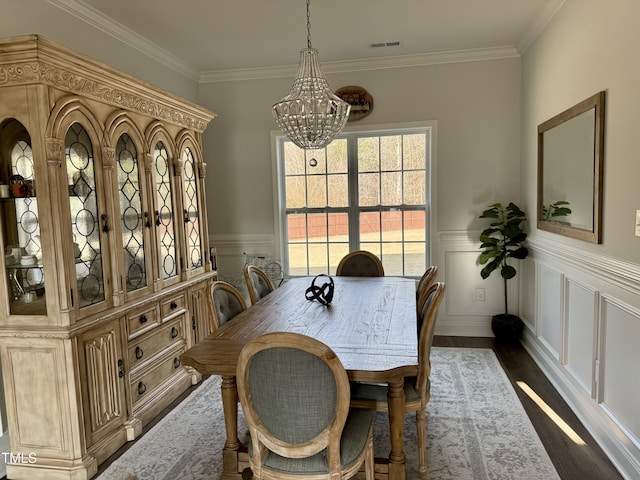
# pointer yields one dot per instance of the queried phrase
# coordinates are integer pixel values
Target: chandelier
(310, 114)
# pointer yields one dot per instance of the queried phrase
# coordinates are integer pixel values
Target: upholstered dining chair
(258, 283)
(226, 303)
(427, 279)
(360, 264)
(417, 390)
(294, 393)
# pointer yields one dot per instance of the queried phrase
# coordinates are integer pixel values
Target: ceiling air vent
(385, 44)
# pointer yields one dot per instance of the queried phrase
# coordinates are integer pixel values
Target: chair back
(295, 396)
(226, 303)
(258, 283)
(427, 279)
(427, 321)
(360, 264)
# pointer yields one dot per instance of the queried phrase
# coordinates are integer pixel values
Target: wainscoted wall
(232, 251)
(584, 331)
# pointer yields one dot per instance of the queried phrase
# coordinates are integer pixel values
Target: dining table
(370, 324)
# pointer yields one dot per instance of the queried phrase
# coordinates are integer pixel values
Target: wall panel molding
(623, 274)
(595, 305)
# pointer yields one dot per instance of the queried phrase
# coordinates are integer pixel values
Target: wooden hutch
(104, 248)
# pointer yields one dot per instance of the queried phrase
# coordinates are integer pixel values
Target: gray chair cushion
(262, 288)
(352, 444)
(226, 304)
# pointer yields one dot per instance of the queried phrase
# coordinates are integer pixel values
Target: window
(364, 191)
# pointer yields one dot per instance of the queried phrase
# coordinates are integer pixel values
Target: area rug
(477, 429)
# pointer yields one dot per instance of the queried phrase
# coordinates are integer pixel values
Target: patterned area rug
(477, 429)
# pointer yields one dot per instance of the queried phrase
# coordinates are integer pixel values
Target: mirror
(570, 156)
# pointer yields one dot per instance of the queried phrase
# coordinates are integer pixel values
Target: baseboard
(614, 443)
(5, 447)
(463, 326)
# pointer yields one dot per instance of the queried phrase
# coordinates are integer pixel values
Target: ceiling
(225, 35)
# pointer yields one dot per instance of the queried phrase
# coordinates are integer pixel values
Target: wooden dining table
(370, 324)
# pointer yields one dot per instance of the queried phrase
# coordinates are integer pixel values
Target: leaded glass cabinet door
(193, 214)
(24, 274)
(134, 217)
(164, 216)
(89, 221)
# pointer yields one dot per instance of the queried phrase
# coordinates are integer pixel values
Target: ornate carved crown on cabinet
(104, 251)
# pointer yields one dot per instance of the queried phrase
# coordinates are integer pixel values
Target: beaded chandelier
(310, 114)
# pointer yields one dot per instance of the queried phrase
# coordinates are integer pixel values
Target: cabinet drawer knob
(120, 368)
(142, 388)
(176, 362)
(139, 353)
(173, 305)
(143, 319)
(174, 332)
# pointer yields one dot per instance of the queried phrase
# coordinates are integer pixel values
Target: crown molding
(381, 63)
(536, 28)
(96, 19)
(93, 17)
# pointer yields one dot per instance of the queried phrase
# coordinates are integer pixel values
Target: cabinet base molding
(133, 428)
(53, 469)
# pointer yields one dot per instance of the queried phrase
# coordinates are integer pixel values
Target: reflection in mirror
(570, 154)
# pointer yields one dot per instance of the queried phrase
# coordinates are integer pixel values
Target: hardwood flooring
(572, 461)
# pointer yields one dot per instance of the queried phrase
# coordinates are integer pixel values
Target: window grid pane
(389, 175)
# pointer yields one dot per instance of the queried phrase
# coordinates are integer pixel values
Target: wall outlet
(479, 294)
(637, 223)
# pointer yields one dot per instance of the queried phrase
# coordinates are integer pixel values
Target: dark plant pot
(507, 328)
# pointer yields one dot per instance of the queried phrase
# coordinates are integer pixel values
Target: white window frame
(279, 218)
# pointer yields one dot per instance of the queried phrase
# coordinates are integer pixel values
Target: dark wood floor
(572, 461)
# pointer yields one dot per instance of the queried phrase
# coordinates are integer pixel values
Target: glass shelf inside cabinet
(24, 270)
(19, 219)
(26, 289)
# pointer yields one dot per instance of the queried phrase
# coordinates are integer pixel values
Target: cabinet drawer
(161, 338)
(139, 321)
(173, 305)
(143, 386)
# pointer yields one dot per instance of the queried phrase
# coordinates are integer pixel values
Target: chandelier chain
(308, 24)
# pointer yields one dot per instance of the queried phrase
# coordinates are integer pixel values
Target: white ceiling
(208, 36)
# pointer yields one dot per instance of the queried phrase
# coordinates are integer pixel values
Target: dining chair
(360, 264)
(294, 393)
(417, 390)
(226, 303)
(258, 283)
(427, 279)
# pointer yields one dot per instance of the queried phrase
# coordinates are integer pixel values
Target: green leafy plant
(556, 209)
(502, 240)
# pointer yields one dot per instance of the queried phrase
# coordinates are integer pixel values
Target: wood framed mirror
(570, 158)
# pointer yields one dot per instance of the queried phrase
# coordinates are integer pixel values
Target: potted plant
(501, 241)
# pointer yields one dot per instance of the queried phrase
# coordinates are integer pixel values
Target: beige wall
(581, 301)
(26, 17)
(590, 46)
(475, 104)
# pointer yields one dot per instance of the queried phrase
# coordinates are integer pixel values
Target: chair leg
(421, 424)
(369, 460)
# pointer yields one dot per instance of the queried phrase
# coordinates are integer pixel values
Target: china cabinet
(104, 248)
